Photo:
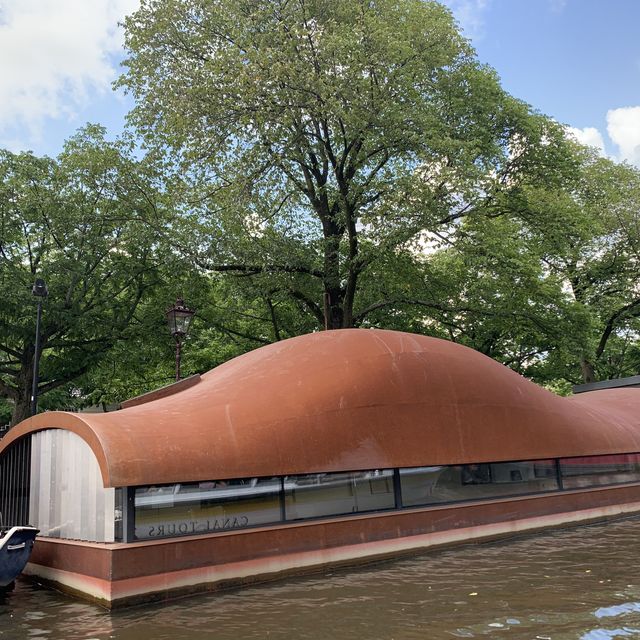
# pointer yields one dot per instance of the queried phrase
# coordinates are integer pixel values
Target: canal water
(579, 583)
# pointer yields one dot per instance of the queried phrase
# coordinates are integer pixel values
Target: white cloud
(557, 6)
(470, 15)
(623, 127)
(589, 136)
(54, 54)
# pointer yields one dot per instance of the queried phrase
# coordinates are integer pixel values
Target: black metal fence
(15, 472)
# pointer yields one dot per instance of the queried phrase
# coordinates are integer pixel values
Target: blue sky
(575, 60)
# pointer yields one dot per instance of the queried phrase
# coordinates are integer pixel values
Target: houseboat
(327, 449)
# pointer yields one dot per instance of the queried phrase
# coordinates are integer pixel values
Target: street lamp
(179, 318)
(40, 291)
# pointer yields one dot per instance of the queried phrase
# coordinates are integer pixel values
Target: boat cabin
(331, 448)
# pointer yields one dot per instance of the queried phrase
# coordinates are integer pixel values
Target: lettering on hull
(191, 526)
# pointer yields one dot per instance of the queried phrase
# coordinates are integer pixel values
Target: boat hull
(15, 549)
(120, 574)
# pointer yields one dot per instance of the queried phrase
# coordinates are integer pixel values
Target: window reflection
(181, 509)
(592, 471)
(324, 494)
(440, 484)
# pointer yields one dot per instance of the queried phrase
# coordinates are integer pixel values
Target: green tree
(81, 223)
(492, 290)
(598, 258)
(315, 138)
(228, 322)
(552, 290)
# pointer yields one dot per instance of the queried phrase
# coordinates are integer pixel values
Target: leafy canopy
(313, 138)
(81, 223)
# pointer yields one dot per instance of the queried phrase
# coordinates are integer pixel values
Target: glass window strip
(320, 495)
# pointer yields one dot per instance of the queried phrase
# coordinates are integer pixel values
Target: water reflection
(606, 634)
(618, 610)
(578, 583)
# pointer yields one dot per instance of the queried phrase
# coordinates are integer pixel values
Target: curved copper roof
(346, 400)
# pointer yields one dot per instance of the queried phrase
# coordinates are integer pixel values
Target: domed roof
(347, 400)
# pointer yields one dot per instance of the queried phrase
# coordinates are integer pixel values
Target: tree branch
(315, 309)
(631, 309)
(255, 269)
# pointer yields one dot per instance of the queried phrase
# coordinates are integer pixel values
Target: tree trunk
(21, 410)
(334, 292)
(588, 371)
(22, 399)
(333, 309)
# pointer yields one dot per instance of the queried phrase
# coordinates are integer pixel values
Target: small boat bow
(16, 544)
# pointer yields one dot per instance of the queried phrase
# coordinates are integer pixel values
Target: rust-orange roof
(346, 400)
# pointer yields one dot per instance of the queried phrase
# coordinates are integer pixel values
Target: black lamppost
(40, 291)
(179, 318)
